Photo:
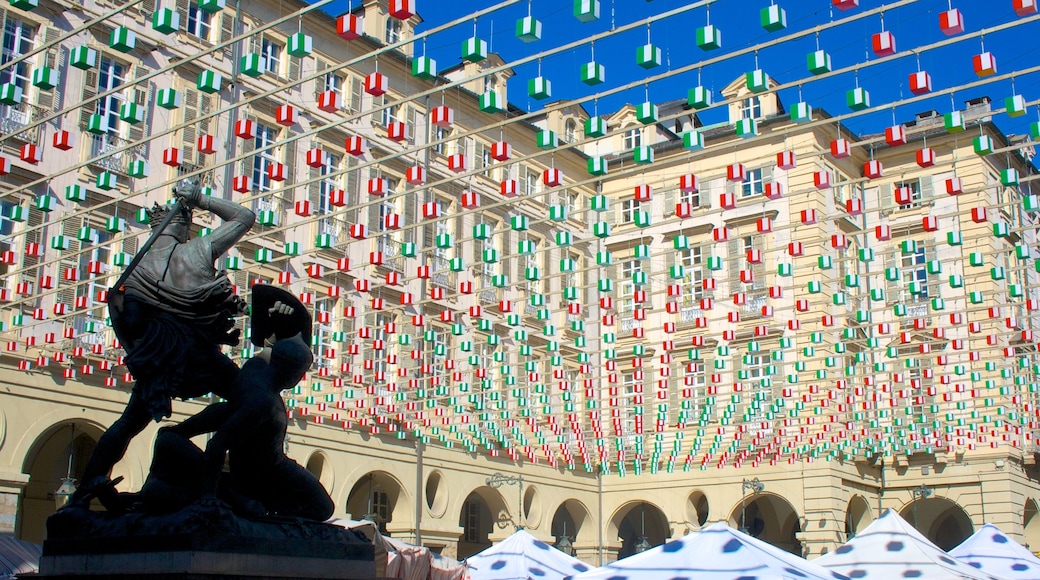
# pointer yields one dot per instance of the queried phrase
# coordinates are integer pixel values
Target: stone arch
(60, 451)
(1031, 525)
(769, 518)
(319, 466)
(857, 516)
(569, 519)
(379, 496)
(482, 510)
(635, 521)
(941, 520)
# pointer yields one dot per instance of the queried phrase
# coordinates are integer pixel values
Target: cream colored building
(433, 435)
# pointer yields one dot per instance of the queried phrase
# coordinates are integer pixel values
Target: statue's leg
(295, 492)
(112, 446)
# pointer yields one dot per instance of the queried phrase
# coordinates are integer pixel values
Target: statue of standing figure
(172, 313)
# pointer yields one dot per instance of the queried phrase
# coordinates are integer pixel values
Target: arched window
(633, 138)
(570, 130)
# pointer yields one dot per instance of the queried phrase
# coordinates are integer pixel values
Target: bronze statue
(172, 310)
(248, 429)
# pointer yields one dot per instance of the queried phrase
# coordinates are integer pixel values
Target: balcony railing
(119, 162)
(15, 119)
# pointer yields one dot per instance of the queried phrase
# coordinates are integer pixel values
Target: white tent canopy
(891, 548)
(717, 552)
(18, 557)
(521, 556)
(990, 550)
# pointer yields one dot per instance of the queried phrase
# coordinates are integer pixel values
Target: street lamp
(498, 480)
(68, 483)
(642, 543)
(920, 492)
(756, 487)
(563, 542)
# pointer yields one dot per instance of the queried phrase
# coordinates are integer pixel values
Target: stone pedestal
(200, 542)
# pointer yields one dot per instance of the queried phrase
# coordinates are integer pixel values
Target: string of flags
(569, 379)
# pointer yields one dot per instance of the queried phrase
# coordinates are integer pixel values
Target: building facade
(610, 329)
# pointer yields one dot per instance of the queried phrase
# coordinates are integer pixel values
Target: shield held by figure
(264, 298)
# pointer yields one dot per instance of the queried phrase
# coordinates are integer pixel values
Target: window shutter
(353, 181)
(46, 98)
(248, 145)
(294, 67)
(189, 134)
(227, 30)
(409, 119)
(182, 10)
(927, 188)
(290, 161)
(90, 81)
(410, 202)
(374, 225)
(147, 7)
(314, 187)
(355, 95)
(141, 94)
(319, 82)
(669, 203)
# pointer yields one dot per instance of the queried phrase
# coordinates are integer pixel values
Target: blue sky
(916, 24)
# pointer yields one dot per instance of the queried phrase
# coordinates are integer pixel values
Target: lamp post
(920, 492)
(498, 480)
(756, 487)
(563, 542)
(68, 483)
(642, 542)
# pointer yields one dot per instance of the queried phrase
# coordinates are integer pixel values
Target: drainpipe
(418, 491)
(599, 528)
(234, 97)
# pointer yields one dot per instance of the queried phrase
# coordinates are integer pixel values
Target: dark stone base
(203, 541)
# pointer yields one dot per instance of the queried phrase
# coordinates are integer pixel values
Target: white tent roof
(891, 548)
(522, 557)
(990, 550)
(717, 552)
(18, 557)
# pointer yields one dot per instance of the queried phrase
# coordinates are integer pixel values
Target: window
(271, 56)
(753, 183)
(471, 524)
(693, 281)
(111, 74)
(18, 40)
(322, 338)
(531, 183)
(199, 22)
(570, 131)
(6, 229)
(569, 200)
(381, 508)
(265, 136)
(751, 108)
(440, 136)
(329, 183)
(390, 113)
(633, 138)
(393, 31)
(691, 197)
(490, 83)
(332, 82)
(484, 158)
(626, 286)
(913, 269)
(629, 207)
(913, 188)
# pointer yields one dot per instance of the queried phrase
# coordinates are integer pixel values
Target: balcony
(103, 145)
(391, 249)
(14, 120)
